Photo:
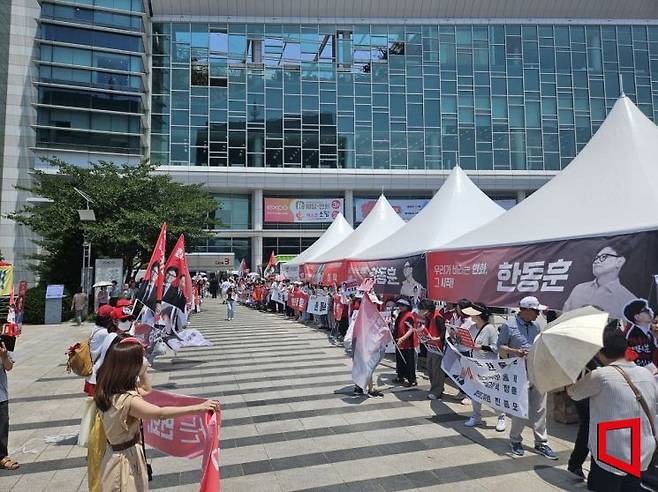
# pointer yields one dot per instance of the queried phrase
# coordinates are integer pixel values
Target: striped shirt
(611, 398)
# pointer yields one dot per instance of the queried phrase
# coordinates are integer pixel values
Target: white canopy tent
(337, 232)
(608, 189)
(457, 208)
(381, 222)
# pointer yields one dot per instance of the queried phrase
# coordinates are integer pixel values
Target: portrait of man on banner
(605, 290)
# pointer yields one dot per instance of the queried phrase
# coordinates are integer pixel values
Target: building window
(233, 211)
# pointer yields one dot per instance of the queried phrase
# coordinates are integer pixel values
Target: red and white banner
(187, 437)
(369, 339)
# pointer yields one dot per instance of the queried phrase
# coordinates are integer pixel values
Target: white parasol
(560, 352)
(102, 283)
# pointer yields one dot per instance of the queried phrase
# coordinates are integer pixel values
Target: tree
(130, 204)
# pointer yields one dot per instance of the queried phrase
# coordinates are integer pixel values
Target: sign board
(54, 291)
(303, 210)
(109, 269)
(213, 262)
(406, 209)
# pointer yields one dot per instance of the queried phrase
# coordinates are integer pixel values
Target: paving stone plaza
(289, 421)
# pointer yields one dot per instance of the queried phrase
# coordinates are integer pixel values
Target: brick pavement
(289, 420)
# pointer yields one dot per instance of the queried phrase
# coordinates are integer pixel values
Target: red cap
(121, 313)
(105, 310)
(124, 302)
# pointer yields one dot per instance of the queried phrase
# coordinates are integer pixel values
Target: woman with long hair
(122, 381)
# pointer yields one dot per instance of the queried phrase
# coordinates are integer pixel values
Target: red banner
(325, 273)
(183, 280)
(156, 263)
(187, 437)
(608, 272)
(302, 301)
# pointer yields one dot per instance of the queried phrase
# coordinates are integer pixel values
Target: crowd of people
(618, 384)
(619, 372)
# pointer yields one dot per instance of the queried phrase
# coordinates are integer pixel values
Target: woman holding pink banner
(122, 407)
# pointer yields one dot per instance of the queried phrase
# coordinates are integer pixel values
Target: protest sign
(188, 436)
(318, 305)
(302, 301)
(425, 338)
(276, 295)
(501, 384)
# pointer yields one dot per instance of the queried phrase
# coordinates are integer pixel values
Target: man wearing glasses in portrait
(605, 291)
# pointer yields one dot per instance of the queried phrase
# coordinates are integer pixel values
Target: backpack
(79, 362)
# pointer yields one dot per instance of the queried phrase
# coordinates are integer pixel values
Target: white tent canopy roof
(608, 189)
(337, 231)
(457, 208)
(381, 222)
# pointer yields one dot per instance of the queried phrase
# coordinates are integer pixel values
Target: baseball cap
(531, 302)
(476, 309)
(403, 302)
(122, 313)
(105, 311)
(124, 302)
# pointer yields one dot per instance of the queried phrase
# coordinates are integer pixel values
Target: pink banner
(187, 437)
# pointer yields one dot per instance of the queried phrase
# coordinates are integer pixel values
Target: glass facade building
(418, 97)
(336, 104)
(92, 76)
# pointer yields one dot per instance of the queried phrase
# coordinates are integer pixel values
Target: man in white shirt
(612, 398)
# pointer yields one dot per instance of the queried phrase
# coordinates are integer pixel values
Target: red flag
(177, 260)
(244, 268)
(370, 336)
(188, 436)
(157, 261)
(271, 265)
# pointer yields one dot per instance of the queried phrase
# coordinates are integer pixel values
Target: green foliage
(130, 204)
(35, 305)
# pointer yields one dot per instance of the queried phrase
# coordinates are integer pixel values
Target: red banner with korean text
(325, 273)
(607, 271)
(302, 301)
(400, 276)
(187, 437)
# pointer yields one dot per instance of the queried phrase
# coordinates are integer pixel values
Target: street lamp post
(86, 215)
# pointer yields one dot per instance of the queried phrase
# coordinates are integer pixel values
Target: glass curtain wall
(490, 97)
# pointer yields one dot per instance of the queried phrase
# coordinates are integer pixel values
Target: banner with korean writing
(401, 276)
(405, 208)
(501, 384)
(607, 271)
(291, 210)
(277, 295)
(318, 305)
(325, 273)
(188, 436)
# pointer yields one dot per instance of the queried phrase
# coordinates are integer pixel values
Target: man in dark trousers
(407, 343)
